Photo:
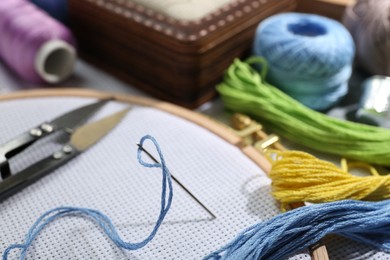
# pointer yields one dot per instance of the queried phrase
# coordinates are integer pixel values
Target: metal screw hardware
(245, 127)
(67, 149)
(48, 128)
(251, 133)
(240, 121)
(57, 155)
(266, 142)
(36, 132)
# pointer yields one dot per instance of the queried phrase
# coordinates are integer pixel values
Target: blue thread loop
(296, 230)
(102, 220)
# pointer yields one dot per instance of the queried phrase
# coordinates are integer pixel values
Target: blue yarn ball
(321, 102)
(308, 56)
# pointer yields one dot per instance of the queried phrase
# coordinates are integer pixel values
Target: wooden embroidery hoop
(201, 120)
(318, 252)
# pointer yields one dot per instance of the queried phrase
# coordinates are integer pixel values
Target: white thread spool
(55, 61)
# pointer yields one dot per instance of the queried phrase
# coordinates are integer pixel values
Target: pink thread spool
(34, 45)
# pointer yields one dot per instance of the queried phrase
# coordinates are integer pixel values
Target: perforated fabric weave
(107, 177)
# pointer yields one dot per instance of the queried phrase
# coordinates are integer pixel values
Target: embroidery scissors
(66, 122)
(80, 139)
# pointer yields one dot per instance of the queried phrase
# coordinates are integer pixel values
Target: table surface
(84, 76)
(88, 76)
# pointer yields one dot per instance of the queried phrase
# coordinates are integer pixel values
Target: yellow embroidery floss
(300, 177)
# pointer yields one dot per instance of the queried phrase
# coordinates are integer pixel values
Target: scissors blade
(82, 138)
(76, 117)
(89, 134)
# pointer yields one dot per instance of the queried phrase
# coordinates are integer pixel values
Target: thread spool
(369, 23)
(34, 45)
(309, 56)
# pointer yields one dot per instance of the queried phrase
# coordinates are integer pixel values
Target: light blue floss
(102, 220)
(309, 56)
(296, 230)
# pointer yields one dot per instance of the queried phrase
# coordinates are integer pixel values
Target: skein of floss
(309, 56)
(369, 23)
(244, 90)
(295, 230)
(34, 45)
(300, 177)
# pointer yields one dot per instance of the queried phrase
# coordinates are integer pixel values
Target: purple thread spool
(34, 45)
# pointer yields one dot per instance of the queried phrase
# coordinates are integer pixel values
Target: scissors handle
(67, 122)
(18, 181)
(19, 143)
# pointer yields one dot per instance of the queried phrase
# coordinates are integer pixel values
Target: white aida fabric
(108, 178)
(184, 9)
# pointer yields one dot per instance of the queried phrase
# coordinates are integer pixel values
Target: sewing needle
(180, 184)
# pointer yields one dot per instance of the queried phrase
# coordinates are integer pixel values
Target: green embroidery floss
(245, 90)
